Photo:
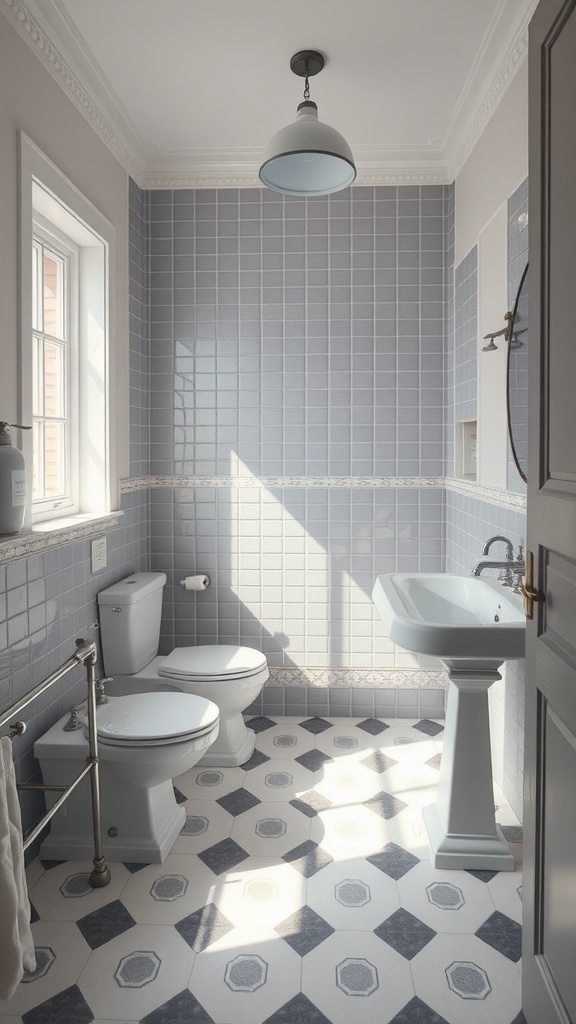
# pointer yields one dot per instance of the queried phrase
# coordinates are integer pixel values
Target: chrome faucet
(512, 569)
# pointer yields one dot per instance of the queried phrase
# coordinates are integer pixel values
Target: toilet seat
(154, 719)
(212, 662)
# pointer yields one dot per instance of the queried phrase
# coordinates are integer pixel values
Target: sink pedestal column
(462, 829)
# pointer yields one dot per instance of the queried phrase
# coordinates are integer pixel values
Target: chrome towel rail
(84, 654)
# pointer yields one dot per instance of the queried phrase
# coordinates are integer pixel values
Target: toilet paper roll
(195, 582)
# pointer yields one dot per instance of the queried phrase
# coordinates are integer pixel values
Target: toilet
(229, 676)
(144, 741)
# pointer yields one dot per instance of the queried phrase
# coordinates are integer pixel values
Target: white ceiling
(190, 91)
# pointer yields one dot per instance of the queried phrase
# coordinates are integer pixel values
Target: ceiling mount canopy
(307, 157)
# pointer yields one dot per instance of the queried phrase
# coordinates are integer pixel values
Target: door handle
(529, 592)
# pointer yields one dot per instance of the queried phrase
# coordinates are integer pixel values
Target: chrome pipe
(100, 875)
(19, 705)
(50, 814)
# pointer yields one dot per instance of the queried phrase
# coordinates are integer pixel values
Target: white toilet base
(233, 746)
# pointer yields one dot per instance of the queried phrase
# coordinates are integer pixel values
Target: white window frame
(52, 202)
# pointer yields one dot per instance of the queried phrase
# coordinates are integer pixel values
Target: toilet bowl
(230, 676)
(144, 741)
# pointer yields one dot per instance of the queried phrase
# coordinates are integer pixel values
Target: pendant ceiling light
(307, 157)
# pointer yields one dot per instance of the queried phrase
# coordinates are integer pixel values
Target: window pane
(37, 377)
(38, 461)
(54, 464)
(36, 287)
(54, 392)
(53, 286)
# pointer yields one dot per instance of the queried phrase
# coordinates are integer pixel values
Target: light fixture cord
(306, 84)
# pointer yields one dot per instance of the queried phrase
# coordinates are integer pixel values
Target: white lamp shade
(307, 157)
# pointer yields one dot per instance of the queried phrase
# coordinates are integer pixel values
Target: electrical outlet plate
(99, 559)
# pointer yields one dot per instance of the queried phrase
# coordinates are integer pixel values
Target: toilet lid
(212, 661)
(153, 717)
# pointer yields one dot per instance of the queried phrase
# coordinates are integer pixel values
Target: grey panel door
(549, 963)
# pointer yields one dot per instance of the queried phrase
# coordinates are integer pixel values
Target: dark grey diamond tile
(298, 1010)
(308, 858)
(34, 915)
(378, 762)
(311, 803)
(304, 930)
(386, 805)
(181, 1009)
(405, 933)
(223, 856)
(313, 760)
(513, 833)
(482, 876)
(393, 861)
(49, 864)
(418, 1012)
(520, 1019)
(238, 801)
(257, 758)
(106, 923)
(68, 1005)
(435, 761)
(203, 927)
(428, 727)
(260, 724)
(316, 725)
(132, 867)
(180, 798)
(503, 934)
(373, 725)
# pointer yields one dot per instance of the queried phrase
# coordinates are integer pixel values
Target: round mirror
(517, 378)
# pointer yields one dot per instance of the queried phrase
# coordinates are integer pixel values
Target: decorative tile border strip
(491, 495)
(33, 542)
(369, 482)
(377, 678)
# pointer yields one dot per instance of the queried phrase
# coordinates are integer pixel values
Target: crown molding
(63, 53)
(41, 37)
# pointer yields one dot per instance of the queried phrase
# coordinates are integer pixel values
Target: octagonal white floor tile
(207, 823)
(414, 783)
(51, 902)
(200, 783)
(346, 740)
(352, 895)
(503, 889)
(151, 898)
(407, 829)
(279, 780)
(271, 829)
(355, 976)
(103, 986)
(258, 895)
(404, 743)
(34, 872)
(448, 901)
(71, 953)
(350, 831)
(346, 782)
(285, 741)
(246, 983)
(498, 1000)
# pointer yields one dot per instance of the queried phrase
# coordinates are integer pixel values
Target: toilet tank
(130, 613)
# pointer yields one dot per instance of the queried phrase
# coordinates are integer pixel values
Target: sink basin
(451, 617)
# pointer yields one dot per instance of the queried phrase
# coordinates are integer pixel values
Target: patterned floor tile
(350, 831)
(223, 856)
(68, 1005)
(393, 860)
(348, 977)
(447, 901)
(406, 933)
(136, 972)
(352, 895)
(315, 725)
(57, 895)
(464, 980)
(180, 1009)
(373, 726)
(271, 829)
(259, 894)
(286, 740)
(258, 757)
(418, 1012)
(313, 760)
(385, 804)
(103, 925)
(503, 934)
(163, 894)
(260, 724)
(345, 740)
(428, 727)
(204, 927)
(207, 823)
(347, 783)
(311, 803)
(506, 892)
(378, 762)
(69, 953)
(298, 1010)
(280, 779)
(308, 858)
(304, 930)
(246, 984)
(238, 801)
(209, 783)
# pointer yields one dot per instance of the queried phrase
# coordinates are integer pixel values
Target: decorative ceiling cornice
(180, 170)
(26, 22)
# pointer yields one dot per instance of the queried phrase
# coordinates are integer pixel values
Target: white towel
(16, 942)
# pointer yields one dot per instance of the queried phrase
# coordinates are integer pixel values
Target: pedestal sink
(472, 625)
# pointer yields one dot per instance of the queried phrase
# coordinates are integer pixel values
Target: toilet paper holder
(198, 582)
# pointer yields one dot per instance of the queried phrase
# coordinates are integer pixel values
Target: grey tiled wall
(518, 258)
(465, 337)
(138, 328)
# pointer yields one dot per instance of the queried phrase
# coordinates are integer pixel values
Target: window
(54, 371)
(67, 249)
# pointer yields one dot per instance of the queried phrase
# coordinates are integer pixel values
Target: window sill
(54, 533)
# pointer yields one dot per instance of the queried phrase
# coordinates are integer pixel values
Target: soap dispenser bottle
(12, 482)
